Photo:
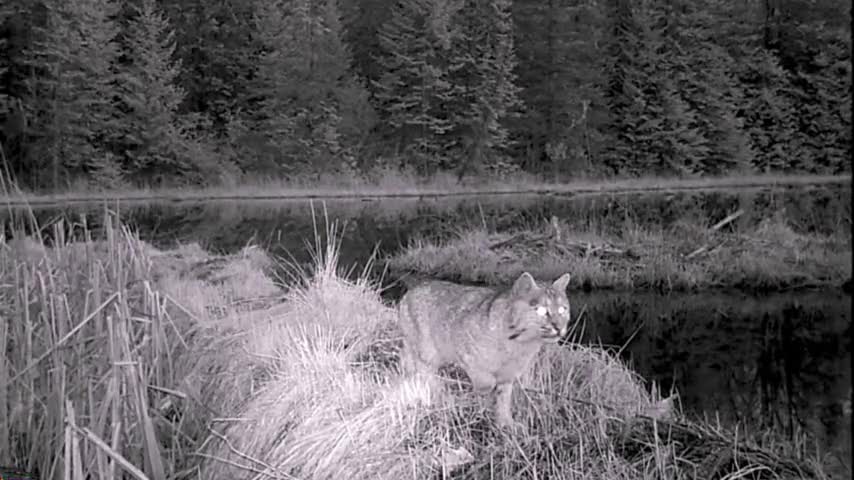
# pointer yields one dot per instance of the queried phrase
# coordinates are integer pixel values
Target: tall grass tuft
(101, 339)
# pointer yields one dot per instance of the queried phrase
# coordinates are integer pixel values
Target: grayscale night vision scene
(425, 239)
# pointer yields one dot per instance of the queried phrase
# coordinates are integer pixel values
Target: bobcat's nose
(555, 332)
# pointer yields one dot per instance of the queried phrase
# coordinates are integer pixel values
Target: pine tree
(705, 74)
(362, 22)
(449, 83)
(416, 44)
(151, 139)
(18, 21)
(767, 114)
(6, 15)
(792, 61)
(77, 54)
(7, 102)
(815, 51)
(489, 95)
(665, 114)
(560, 51)
(313, 111)
(217, 47)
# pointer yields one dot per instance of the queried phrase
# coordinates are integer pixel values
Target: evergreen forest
(114, 93)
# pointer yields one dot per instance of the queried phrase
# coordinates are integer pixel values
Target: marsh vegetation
(687, 256)
(124, 358)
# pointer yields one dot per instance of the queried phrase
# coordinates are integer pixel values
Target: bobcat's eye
(561, 310)
(542, 311)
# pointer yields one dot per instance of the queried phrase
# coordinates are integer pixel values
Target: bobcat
(492, 334)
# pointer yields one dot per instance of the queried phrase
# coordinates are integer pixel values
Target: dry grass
(392, 183)
(121, 361)
(97, 337)
(768, 256)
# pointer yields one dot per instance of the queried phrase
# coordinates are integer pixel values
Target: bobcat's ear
(561, 283)
(523, 285)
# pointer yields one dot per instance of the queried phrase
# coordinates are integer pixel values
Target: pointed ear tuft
(561, 283)
(524, 285)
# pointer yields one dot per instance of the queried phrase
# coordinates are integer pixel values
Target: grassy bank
(397, 184)
(183, 364)
(688, 255)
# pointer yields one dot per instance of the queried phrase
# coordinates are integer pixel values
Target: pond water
(774, 361)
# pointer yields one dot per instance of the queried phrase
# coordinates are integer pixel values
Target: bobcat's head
(538, 313)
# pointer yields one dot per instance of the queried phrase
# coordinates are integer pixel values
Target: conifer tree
(792, 61)
(449, 79)
(6, 13)
(362, 21)
(817, 57)
(672, 95)
(7, 106)
(217, 45)
(560, 50)
(150, 138)
(489, 94)
(416, 45)
(705, 75)
(76, 54)
(768, 115)
(765, 114)
(313, 111)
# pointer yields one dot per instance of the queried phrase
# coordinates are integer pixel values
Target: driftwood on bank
(726, 221)
(553, 240)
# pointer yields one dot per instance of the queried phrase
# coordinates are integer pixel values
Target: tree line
(117, 92)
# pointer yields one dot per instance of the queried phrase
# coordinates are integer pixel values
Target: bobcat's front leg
(503, 406)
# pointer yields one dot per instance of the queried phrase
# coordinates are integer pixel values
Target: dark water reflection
(779, 361)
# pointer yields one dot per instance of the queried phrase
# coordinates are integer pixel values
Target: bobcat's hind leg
(410, 363)
(419, 374)
(419, 360)
(482, 381)
(407, 359)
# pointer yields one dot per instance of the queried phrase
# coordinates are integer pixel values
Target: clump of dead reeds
(97, 334)
(88, 340)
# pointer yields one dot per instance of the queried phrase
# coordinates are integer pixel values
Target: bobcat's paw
(511, 427)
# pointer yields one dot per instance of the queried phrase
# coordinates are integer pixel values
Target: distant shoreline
(436, 189)
(687, 256)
